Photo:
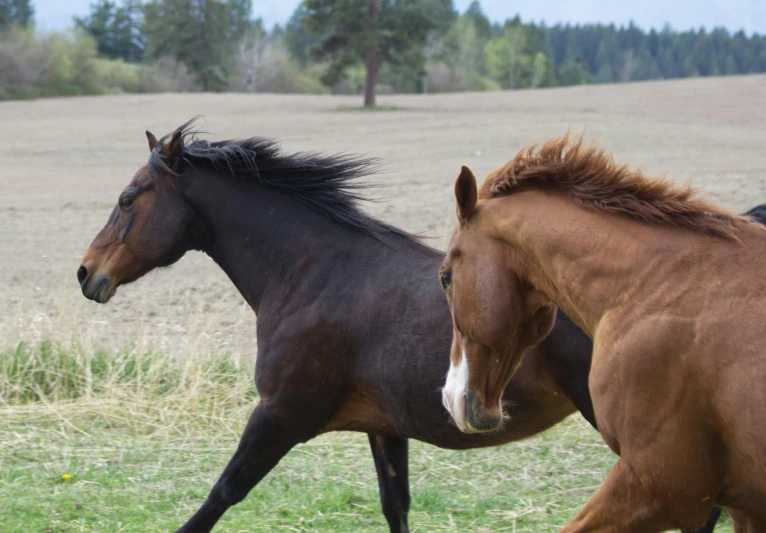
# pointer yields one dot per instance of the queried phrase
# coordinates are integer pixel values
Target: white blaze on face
(454, 391)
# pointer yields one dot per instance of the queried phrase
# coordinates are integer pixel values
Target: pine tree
(574, 72)
(19, 12)
(480, 20)
(369, 31)
(201, 34)
(298, 40)
(116, 29)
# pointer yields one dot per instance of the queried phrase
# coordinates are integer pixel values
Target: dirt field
(64, 162)
(133, 459)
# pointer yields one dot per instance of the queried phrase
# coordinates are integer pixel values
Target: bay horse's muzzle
(95, 287)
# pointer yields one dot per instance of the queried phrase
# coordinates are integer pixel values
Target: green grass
(141, 457)
(50, 372)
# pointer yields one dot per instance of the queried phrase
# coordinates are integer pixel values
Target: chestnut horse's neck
(587, 262)
(270, 245)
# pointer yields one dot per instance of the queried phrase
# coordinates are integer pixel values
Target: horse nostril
(82, 274)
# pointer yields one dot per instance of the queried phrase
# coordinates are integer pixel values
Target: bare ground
(135, 463)
(64, 162)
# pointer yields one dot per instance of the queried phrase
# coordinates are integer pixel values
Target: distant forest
(344, 46)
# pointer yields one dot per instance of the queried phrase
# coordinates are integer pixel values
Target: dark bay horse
(352, 329)
(672, 290)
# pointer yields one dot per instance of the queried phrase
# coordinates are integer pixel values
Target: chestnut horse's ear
(152, 140)
(466, 193)
(171, 151)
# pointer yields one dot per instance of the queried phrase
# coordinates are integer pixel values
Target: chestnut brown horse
(352, 326)
(673, 292)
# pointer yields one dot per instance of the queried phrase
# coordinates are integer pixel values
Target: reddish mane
(595, 181)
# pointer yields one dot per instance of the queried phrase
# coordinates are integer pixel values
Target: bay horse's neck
(272, 247)
(587, 262)
(265, 241)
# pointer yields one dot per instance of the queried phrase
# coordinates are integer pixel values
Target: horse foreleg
(391, 463)
(268, 436)
(712, 520)
(621, 505)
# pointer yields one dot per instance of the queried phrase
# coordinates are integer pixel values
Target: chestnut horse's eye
(446, 279)
(126, 202)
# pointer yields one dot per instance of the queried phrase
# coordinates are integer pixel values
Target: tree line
(369, 46)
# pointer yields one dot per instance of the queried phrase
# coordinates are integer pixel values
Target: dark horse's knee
(269, 434)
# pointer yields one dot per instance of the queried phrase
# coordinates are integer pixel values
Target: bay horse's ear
(466, 193)
(152, 140)
(171, 151)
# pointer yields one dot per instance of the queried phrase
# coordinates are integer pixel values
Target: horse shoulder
(640, 374)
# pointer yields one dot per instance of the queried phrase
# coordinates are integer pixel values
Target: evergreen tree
(298, 39)
(116, 29)
(19, 12)
(201, 34)
(575, 72)
(481, 22)
(369, 31)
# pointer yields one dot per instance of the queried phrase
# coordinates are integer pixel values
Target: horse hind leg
(391, 463)
(622, 505)
(270, 433)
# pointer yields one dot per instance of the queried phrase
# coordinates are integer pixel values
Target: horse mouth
(461, 407)
(99, 292)
(105, 293)
(455, 405)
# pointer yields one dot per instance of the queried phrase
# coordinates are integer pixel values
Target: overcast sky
(749, 15)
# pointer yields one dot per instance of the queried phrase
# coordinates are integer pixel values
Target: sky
(749, 15)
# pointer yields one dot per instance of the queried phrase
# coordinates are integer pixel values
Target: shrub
(35, 65)
(266, 67)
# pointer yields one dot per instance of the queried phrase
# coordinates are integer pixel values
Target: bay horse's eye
(126, 201)
(446, 279)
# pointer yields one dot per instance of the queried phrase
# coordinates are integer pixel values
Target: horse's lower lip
(98, 291)
(103, 294)
(480, 420)
(467, 428)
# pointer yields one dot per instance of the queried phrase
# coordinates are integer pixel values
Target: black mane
(327, 184)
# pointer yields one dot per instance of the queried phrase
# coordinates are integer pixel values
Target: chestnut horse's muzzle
(95, 287)
(479, 417)
(469, 412)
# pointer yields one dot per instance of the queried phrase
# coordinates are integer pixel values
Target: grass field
(132, 442)
(119, 418)
(136, 448)
(123, 481)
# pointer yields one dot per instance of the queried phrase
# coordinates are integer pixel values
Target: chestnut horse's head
(496, 316)
(151, 226)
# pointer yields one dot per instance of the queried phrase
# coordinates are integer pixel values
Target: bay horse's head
(151, 226)
(496, 316)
